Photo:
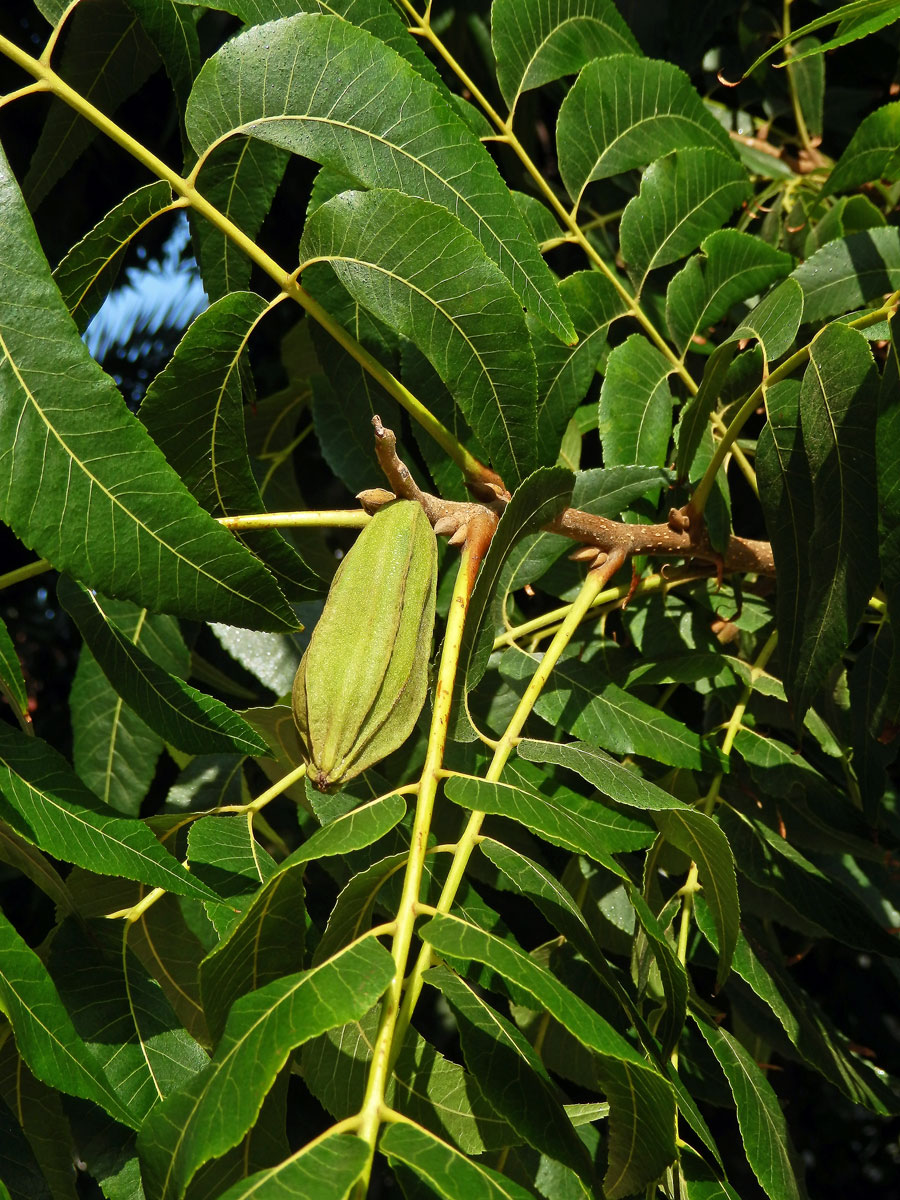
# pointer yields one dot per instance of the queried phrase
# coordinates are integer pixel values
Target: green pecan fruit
(362, 682)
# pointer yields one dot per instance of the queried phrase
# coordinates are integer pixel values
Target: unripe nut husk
(362, 682)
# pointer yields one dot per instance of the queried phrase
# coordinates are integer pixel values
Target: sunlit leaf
(564, 373)
(732, 266)
(635, 415)
(447, 1173)
(850, 272)
(683, 198)
(44, 1032)
(85, 486)
(218, 1106)
(601, 713)
(87, 273)
(536, 43)
(582, 825)
(326, 1170)
(436, 287)
(187, 718)
(649, 109)
(871, 153)
(46, 803)
(380, 143)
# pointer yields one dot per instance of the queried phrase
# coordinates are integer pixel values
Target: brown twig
(682, 536)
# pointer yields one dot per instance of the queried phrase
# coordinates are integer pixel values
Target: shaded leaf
(347, 398)
(240, 179)
(649, 109)
(34, 865)
(635, 414)
(84, 472)
(641, 1102)
(683, 198)
(807, 1027)
(695, 414)
(194, 412)
(857, 19)
(225, 855)
(42, 1130)
(511, 1075)
(871, 153)
(265, 943)
(731, 266)
(785, 490)
(849, 272)
(12, 681)
(701, 839)
(446, 1172)
(838, 401)
(219, 1105)
(174, 36)
(122, 1016)
(114, 751)
(194, 722)
(46, 803)
(87, 273)
(106, 57)
(404, 128)
(807, 68)
(436, 287)
(352, 913)
(821, 902)
(763, 1127)
(44, 1032)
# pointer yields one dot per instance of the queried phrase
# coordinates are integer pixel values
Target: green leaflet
(536, 43)
(81, 455)
(187, 718)
(762, 1122)
(641, 1101)
(871, 153)
(650, 109)
(194, 412)
(44, 1033)
(46, 803)
(683, 198)
(849, 272)
(440, 291)
(380, 145)
(214, 1111)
